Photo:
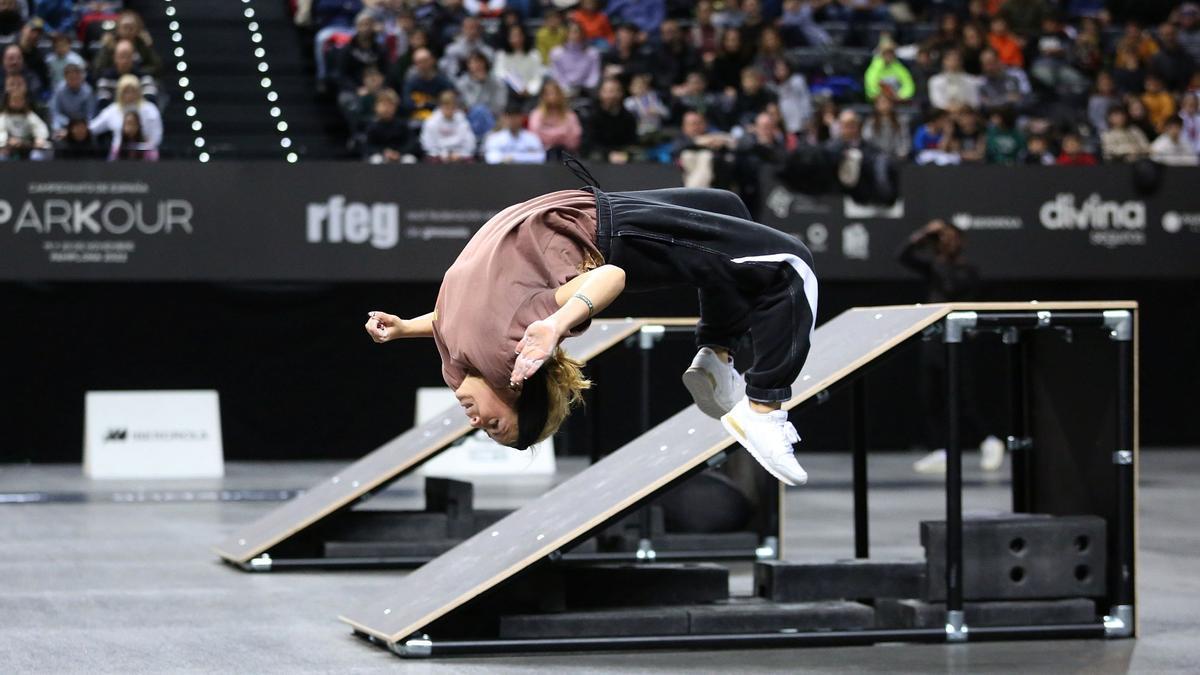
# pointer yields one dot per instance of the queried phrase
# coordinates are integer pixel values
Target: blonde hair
(129, 81)
(565, 385)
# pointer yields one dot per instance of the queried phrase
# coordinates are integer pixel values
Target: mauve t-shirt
(505, 279)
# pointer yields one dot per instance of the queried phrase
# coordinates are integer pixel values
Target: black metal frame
(956, 327)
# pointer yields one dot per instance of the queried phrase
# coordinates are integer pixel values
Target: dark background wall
(299, 379)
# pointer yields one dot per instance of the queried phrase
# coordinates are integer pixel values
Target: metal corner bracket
(1120, 321)
(646, 550)
(769, 550)
(417, 646)
(261, 564)
(1119, 622)
(650, 334)
(957, 323)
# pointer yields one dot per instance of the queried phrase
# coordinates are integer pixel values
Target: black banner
(1022, 223)
(354, 222)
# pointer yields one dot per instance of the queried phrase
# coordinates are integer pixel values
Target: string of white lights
(189, 97)
(272, 96)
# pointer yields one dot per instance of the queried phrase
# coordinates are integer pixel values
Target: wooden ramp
(613, 485)
(395, 458)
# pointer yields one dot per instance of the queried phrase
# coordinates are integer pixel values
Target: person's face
(704, 12)
(695, 84)
(74, 77)
(610, 94)
(448, 105)
(764, 127)
(17, 99)
(1104, 84)
(513, 122)
(575, 34)
(952, 62)
(516, 39)
(640, 85)
(770, 42)
(365, 26)
(989, 63)
(1168, 35)
(1190, 104)
(471, 29)
(670, 31)
(884, 105)
(13, 61)
(123, 57)
(128, 95)
(488, 409)
(127, 28)
(477, 67)
(849, 125)
(999, 26)
(694, 125)
(731, 41)
(1071, 145)
(384, 109)
(626, 38)
(78, 131)
(949, 24)
(29, 36)
(1154, 85)
(15, 83)
(751, 82)
(554, 20)
(131, 127)
(552, 95)
(423, 61)
(949, 242)
(1173, 131)
(62, 46)
(1117, 119)
(373, 80)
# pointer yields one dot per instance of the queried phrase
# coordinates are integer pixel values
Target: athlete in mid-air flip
(538, 271)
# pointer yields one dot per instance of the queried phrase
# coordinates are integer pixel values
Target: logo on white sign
(856, 242)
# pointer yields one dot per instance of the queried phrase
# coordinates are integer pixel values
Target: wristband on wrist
(587, 301)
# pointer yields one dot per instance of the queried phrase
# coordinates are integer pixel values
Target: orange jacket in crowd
(595, 25)
(1008, 50)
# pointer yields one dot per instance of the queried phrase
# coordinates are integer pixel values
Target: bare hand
(383, 327)
(541, 337)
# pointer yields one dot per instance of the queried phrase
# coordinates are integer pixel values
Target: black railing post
(858, 447)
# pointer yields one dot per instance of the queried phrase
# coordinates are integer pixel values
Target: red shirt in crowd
(595, 25)
(1077, 159)
(1008, 50)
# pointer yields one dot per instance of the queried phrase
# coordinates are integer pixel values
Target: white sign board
(152, 434)
(479, 455)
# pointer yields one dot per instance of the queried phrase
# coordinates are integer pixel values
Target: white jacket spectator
(520, 67)
(129, 98)
(446, 134)
(513, 144)
(1171, 148)
(952, 86)
(22, 132)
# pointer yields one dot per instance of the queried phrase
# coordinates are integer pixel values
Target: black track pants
(751, 278)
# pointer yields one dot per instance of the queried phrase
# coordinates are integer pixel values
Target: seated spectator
(1170, 148)
(129, 27)
(484, 97)
(1139, 116)
(131, 142)
(932, 141)
(752, 23)
(1172, 62)
(388, 138)
(14, 67)
(704, 35)
(111, 120)
(361, 107)
(1054, 74)
(424, 85)
(1122, 142)
(332, 18)
(519, 66)
(1073, 154)
(970, 142)
(1127, 71)
(864, 172)
(751, 98)
(1004, 140)
(1160, 105)
(397, 73)
(364, 50)
(771, 50)
(469, 41)
(446, 135)
(57, 60)
(1189, 29)
(551, 34)
(701, 154)
(498, 38)
(23, 135)
(1189, 115)
(973, 44)
(998, 87)
(795, 99)
(59, 15)
(673, 58)
(122, 67)
(947, 37)
(647, 15)
(886, 75)
(575, 65)
(1037, 151)
(627, 58)
(952, 86)
(1103, 98)
(11, 19)
(612, 129)
(725, 67)
(594, 22)
(1005, 44)
(649, 110)
(693, 95)
(799, 27)
(1087, 49)
(512, 143)
(923, 68)
(29, 40)
(555, 124)
(886, 131)
(78, 143)
(72, 100)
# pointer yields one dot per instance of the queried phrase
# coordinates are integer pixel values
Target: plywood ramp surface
(397, 456)
(615, 483)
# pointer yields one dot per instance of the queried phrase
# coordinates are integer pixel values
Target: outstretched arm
(578, 300)
(384, 327)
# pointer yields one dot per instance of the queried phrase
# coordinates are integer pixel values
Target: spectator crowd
(723, 87)
(79, 81)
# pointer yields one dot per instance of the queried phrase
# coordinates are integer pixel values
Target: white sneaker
(992, 453)
(769, 438)
(713, 383)
(932, 464)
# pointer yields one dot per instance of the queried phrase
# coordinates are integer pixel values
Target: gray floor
(123, 580)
